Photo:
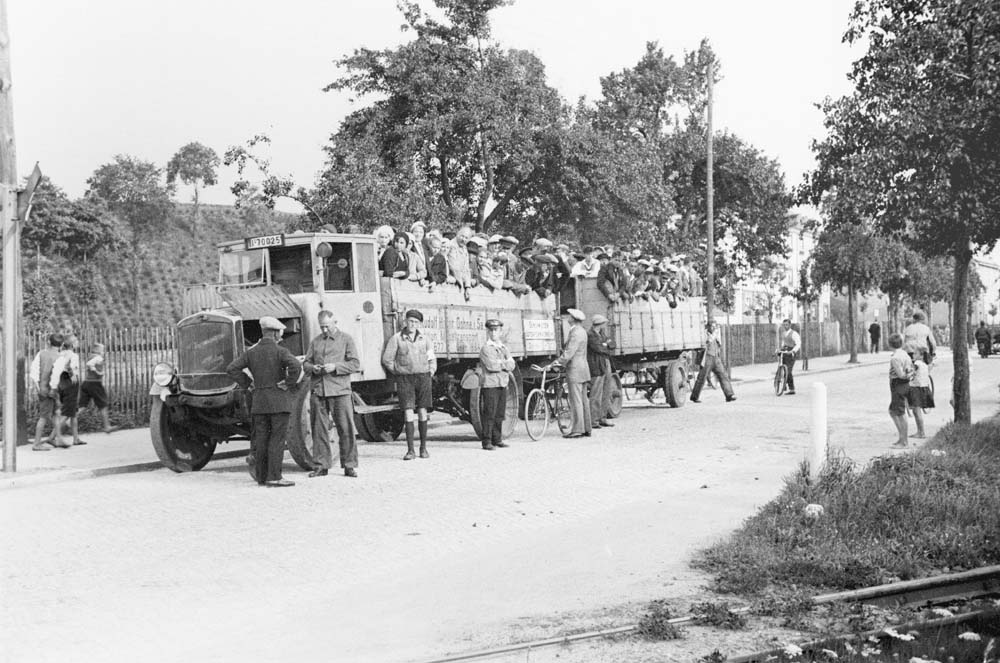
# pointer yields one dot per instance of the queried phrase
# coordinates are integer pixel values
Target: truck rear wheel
(299, 438)
(511, 409)
(673, 379)
(384, 426)
(177, 444)
(616, 396)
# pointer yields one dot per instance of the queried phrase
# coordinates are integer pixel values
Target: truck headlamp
(163, 374)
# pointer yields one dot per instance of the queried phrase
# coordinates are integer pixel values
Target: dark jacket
(394, 261)
(612, 279)
(269, 363)
(437, 268)
(599, 350)
(982, 334)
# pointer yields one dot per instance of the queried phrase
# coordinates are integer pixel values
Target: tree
(923, 125)
(39, 301)
(74, 229)
(473, 119)
(806, 292)
(195, 164)
(771, 274)
(133, 190)
(849, 257)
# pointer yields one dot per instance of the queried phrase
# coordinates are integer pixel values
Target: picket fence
(755, 343)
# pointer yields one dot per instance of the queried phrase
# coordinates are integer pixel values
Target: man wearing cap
(589, 267)
(330, 360)
(712, 363)
(497, 364)
(599, 348)
(274, 370)
(541, 276)
(612, 280)
(458, 260)
(409, 356)
(476, 247)
(574, 358)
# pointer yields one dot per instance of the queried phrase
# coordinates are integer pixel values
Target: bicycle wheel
(560, 403)
(536, 414)
(780, 380)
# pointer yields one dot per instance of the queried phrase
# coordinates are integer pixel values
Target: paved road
(462, 551)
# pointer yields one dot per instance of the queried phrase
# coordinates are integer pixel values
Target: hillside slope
(181, 253)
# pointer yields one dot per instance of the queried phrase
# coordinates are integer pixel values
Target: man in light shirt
(791, 342)
(589, 267)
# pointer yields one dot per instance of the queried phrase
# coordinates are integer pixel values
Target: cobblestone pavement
(466, 550)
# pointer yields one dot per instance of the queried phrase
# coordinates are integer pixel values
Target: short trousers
(69, 396)
(93, 391)
(899, 388)
(920, 397)
(414, 391)
(46, 406)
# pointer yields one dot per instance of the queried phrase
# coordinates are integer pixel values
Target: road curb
(800, 372)
(56, 476)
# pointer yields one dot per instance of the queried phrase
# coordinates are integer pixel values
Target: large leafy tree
(135, 192)
(195, 165)
(74, 229)
(923, 125)
(473, 119)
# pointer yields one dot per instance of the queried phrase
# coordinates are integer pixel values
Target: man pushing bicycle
(790, 344)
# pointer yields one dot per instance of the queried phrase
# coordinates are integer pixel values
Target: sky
(145, 77)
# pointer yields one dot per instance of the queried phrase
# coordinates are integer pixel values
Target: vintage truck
(293, 277)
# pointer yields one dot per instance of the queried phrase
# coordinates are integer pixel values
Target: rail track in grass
(925, 592)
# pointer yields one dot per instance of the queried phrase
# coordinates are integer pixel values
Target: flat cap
(542, 242)
(546, 258)
(576, 314)
(267, 322)
(493, 323)
(495, 239)
(479, 241)
(509, 239)
(415, 314)
(599, 319)
(525, 250)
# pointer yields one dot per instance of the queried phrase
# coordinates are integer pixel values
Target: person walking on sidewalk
(599, 348)
(875, 336)
(900, 373)
(330, 360)
(574, 357)
(712, 363)
(791, 342)
(40, 374)
(65, 381)
(409, 356)
(918, 336)
(92, 387)
(497, 364)
(274, 370)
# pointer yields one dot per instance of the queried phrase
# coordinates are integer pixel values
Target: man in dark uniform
(274, 369)
(330, 360)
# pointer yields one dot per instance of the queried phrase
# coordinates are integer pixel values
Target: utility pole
(709, 203)
(11, 250)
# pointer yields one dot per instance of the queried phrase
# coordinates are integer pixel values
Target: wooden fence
(756, 343)
(129, 358)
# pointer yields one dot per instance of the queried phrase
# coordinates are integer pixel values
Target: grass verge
(906, 516)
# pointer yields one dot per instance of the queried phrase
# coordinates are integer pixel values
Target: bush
(905, 516)
(655, 623)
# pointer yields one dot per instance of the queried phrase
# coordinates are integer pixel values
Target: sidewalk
(132, 450)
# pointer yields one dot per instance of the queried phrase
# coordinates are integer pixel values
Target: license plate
(264, 241)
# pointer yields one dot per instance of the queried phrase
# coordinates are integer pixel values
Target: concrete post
(818, 428)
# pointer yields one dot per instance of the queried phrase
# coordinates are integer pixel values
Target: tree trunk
(805, 337)
(852, 336)
(959, 336)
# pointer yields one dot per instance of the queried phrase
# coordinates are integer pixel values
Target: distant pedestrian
(599, 348)
(409, 357)
(65, 381)
(330, 360)
(900, 373)
(712, 364)
(92, 387)
(791, 343)
(918, 336)
(497, 365)
(574, 358)
(920, 397)
(875, 336)
(275, 370)
(983, 341)
(40, 374)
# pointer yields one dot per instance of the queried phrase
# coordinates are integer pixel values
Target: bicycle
(781, 374)
(549, 400)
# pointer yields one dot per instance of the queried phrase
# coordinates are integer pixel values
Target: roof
(255, 303)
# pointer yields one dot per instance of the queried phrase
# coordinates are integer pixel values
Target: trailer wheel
(177, 444)
(359, 420)
(510, 410)
(673, 379)
(617, 401)
(384, 426)
(299, 438)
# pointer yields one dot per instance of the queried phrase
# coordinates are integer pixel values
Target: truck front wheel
(177, 444)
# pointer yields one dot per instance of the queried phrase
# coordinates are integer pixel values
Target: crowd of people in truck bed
(469, 260)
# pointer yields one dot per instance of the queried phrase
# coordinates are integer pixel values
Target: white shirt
(582, 269)
(65, 358)
(791, 339)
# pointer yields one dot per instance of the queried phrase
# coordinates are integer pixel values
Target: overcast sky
(144, 77)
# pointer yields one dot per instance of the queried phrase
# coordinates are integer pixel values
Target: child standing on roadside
(900, 372)
(920, 396)
(92, 387)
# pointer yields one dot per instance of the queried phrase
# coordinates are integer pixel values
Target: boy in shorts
(409, 356)
(41, 375)
(900, 372)
(65, 381)
(92, 387)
